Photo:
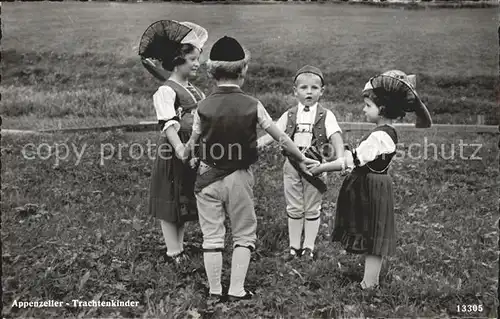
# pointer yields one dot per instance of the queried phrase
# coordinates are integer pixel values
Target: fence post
(348, 117)
(480, 120)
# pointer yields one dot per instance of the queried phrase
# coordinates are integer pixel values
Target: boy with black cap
(314, 130)
(226, 121)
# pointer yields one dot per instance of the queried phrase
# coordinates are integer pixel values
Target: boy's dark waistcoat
(228, 129)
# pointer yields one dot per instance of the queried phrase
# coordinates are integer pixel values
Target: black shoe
(247, 296)
(308, 254)
(178, 259)
(292, 254)
(216, 298)
(363, 286)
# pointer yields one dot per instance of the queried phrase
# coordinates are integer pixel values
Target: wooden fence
(346, 127)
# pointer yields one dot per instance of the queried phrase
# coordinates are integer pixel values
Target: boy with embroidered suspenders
(226, 124)
(316, 132)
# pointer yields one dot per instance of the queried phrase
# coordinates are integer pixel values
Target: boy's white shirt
(264, 120)
(304, 140)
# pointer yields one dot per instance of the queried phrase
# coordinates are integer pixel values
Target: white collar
(311, 108)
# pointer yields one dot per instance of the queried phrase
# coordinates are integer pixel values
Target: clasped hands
(313, 167)
(183, 152)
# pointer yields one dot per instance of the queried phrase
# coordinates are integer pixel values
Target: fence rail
(149, 126)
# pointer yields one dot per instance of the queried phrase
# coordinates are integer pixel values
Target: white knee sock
(373, 264)
(180, 237)
(295, 227)
(170, 234)
(311, 228)
(213, 267)
(239, 268)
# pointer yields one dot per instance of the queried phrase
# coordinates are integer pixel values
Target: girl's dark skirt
(172, 196)
(364, 221)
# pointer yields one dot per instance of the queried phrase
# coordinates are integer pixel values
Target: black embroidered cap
(227, 49)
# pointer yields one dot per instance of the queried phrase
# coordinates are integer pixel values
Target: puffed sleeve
(164, 100)
(376, 144)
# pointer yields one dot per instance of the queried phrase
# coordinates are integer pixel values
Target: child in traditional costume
(177, 46)
(364, 222)
(226, 122)
(316, 132)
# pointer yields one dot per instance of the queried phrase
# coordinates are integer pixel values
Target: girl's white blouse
(376, 144)
(164, 99)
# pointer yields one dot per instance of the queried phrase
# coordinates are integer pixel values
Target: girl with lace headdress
(177, 46)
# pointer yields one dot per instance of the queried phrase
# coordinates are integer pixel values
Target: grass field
(83, 67)
(79, 230)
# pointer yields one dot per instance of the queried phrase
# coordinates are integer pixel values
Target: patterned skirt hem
(360, 244)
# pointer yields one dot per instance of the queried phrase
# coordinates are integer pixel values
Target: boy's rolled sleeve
(196, 123)
(331, 124)
(263, 118)
(282, 121)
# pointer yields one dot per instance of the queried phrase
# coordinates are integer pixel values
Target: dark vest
(229, 129)
(380, 164)
(320, 148)
(184, 104)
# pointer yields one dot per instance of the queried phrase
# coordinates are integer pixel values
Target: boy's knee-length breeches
(232, 195)
(302, 198)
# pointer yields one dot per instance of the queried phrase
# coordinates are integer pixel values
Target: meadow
(76, 64)
(76, 227)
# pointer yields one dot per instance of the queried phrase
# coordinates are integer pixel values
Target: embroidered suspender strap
(317, 150)
(198, 95)
(319, 129)
(291, 122)
(194, 91)
(186, 104)
(314, 180)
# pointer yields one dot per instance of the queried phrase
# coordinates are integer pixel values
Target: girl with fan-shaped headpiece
(364, 221)
(176, 46)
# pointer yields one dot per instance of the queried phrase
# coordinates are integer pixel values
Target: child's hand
(346, 172)
(261, 148)
(306, 164)
(182, 152)
(310, 166)
(316, 170)
(194, 162)
(349, 160)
